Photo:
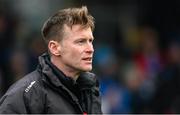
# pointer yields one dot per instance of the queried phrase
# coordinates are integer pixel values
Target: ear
(54, 47)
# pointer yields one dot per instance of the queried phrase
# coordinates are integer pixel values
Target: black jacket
(48, 90)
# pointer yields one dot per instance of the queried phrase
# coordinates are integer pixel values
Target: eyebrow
(87, 38)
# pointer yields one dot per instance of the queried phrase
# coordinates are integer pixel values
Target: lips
(87, 59)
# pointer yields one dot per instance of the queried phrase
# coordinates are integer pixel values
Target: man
(61, 83)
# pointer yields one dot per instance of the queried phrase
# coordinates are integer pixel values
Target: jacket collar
(59, 79)
(54, 76)
(47, 70)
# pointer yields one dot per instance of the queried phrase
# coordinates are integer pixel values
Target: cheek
(73, 54)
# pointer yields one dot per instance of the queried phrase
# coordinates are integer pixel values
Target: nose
(89, 48)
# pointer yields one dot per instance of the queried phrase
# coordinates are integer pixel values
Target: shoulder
(25, 83)
(23, 94)
(26, 86)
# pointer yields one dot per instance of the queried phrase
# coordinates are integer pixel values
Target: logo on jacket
(29, 87)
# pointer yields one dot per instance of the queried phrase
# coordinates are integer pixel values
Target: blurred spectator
(114, 95)
(150, 62)
(167, 96)
(133, 79)
(132, 76)
(149, 58)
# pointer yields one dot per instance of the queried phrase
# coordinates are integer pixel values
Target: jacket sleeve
(22, 101)
(34, 100)
(13, 103)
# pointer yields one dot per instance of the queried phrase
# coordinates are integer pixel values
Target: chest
(57, 103)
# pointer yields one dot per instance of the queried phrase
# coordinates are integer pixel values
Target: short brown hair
(53, 27)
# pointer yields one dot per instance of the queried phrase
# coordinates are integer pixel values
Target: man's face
(76, 48)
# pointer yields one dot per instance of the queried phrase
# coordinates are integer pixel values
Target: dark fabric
(67, 81)
(48, 90)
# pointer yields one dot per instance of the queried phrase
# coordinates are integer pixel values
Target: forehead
(78, 31)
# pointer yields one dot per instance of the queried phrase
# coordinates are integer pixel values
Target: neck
(69, 72)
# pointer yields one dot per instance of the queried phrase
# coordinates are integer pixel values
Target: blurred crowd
(138, 67)
(148, 81)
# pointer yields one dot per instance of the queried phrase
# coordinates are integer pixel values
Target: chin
(86, 69)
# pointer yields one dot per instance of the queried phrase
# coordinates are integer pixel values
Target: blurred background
(137, 49)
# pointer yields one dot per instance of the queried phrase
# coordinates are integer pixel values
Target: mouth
(88, 59)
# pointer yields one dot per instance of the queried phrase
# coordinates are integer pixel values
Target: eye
(91, 40)
(81, 41)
